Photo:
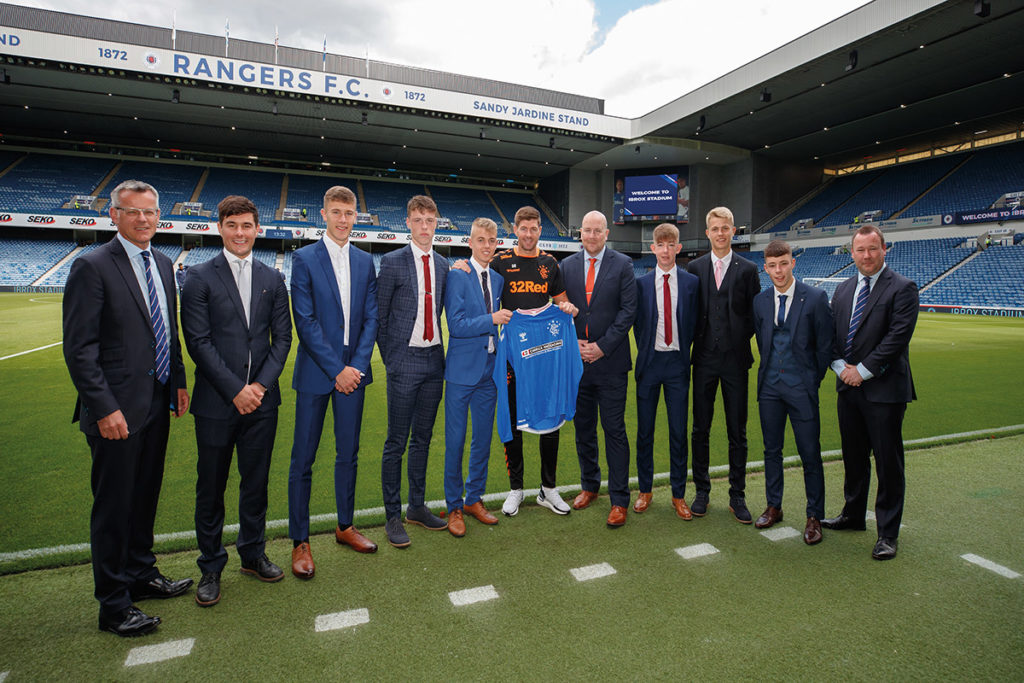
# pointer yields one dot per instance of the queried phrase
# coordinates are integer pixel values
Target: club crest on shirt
(543, 270)
(554, 327)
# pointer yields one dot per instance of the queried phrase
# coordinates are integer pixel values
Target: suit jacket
(645, 327)
(398, 298)
(609, 315)
(228, 349)
(469, 325)
(882, 341)
(743, 285)
(810, 324)
(108, 338)
(320, 321)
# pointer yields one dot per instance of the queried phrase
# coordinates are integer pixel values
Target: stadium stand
(992, 278)
(643, 264)
(263, 188)
(307, 192)
(25, 260)
(7, 158)
(828, 200)
(388, 202)
(174, 182)
(986, 176)
(924, 260)
(463, 205)
(59, 277)
(43, 182)
(201, 255)
(510, 202)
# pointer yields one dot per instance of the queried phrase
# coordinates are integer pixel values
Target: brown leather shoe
(682, 509)
(355, 540)
(768, 517)
(478, 510)
(302, 562)
(643, 501)
(617, 517)
(584, 500)
(812, 532)
(456, 525)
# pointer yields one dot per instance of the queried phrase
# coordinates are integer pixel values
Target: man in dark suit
(238, 330)
(410, 296)
(122, 351)
(721, 354)
(599, 281)
(334, 302)
(666, 315)
(793, 325)
(471, 306)
(875, 315)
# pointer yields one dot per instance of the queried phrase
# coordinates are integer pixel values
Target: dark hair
(527, 213)
(236, 205)
(777, 248)
(421, 202)
(866, 230)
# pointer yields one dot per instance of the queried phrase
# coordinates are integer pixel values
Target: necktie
(718, 274)
(487, 291)
(858, 313)
(428, 306)
(244, 287)
(590, 279)
(781, 319)
(667, 312)
(156, 318)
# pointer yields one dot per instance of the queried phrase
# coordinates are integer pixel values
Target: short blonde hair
(719, 212)
(485, 224)
(666, 232)
(340, 193)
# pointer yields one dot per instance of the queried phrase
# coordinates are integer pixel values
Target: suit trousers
(514, 448)
(707, 374)
(310, 410)
(604, 394)
(126, 479)
(866, 427)
(666, 371)
(478, 400)
(253, 436)
(414, 393)
(775, 403)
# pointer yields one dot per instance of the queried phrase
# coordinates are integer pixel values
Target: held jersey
(540, 346)
(530, 281)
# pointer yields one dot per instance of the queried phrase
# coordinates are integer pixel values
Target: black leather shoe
(885, 549)
(129, 622)
(843, 522)
(699, 506)
(159, 588)
(208, 591)
(263, 569)
(738, 508)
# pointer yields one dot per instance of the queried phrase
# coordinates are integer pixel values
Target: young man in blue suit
(666, 316)
(793, 327)
(473, 312)
(238, 330)
(334, 301)
(410, 296)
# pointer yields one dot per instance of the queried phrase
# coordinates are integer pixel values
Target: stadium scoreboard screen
(655, 197)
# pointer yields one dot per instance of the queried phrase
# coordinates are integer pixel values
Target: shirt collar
(872, 279)
(335, 249)
(599, 256)
(789, 290)
(231, 258)
(671, 271)
(131, 248)
(419, 253)
(726, 260)
(480, 270)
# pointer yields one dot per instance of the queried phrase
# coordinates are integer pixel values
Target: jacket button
(150, 373)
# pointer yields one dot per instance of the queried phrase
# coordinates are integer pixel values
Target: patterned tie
(781, 319)
(428, 306)
(487, 291)
(156, 318)
(718, 274)
(858, 313)
(667, 312)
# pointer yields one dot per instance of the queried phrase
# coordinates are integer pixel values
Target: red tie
(590, 291)
(668, 313)
(428, 307)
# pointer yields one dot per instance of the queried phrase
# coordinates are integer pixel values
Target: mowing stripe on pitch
(338, 620)
(22, 353)
(780, 533)
(991, 566)
(489, 498)
(471, 595)
(699, 550)
(148, 654)
(592, 571)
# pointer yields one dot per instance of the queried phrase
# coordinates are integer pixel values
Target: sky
(636, 55)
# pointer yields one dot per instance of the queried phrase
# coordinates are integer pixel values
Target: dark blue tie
(781, 319)
(156, 318)
(858, 313)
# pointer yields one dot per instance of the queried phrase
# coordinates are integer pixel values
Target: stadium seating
(510, 202)
(174, 182)
(986, 176)
(644, 264)
(25, 260)
(828, 200)
(924, 260)
(992, 278)
(388, 201)
(263, 188)
(44, 182)
(7, 158)
(307, 192)
(463, 205)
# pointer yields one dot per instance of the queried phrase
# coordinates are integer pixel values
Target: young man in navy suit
(875, 315)
(238, 330)
(334, 302)
(793, 327)
(410, 296)
(599, 281)
(666, 315)
(471, 304)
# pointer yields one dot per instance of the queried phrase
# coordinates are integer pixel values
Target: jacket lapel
(325, 263)
(227, 278)
(124, 267)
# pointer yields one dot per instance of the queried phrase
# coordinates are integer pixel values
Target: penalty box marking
(472, 595)
(991, 566)
(338, 620)
(593, 571)
(150, 654)
(699, 550)
(780, 533)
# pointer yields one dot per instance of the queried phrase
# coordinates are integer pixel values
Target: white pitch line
(991, 566)
(699, 550)
(148, 654)
(3, 676)
(337, 620)
(780, 533)
(41, 348)
(593, 571)
(471, 595)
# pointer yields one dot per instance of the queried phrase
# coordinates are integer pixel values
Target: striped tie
(163, 352)
(858, 313)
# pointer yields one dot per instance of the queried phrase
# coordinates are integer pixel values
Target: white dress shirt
(659, 301)
(480, 271)
(343, 274)
(416, 339)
